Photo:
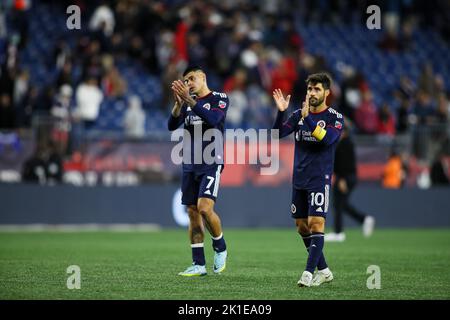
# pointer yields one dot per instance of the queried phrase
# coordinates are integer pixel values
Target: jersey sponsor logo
(321, 123)
(222, 104)
(338, 125)
(338, 115)
(207, 106)
(220, 94)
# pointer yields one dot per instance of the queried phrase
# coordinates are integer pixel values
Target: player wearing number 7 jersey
(200, 109)
(317, 128)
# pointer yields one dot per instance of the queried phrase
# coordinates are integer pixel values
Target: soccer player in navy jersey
(201, 110)
(317, 128)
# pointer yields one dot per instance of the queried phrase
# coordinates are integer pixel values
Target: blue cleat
(194, 271)
(220, 261)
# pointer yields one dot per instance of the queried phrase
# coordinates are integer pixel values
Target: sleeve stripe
(215, 109)
(332, 128)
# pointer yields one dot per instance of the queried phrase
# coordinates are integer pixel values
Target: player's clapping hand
(181, 90)
(177, 99)
(281, 102)
(305, 107)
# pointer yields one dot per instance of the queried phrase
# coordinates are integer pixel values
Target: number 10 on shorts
(319, 199)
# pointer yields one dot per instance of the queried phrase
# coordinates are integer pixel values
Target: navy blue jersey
(208, 113)
(314, 153)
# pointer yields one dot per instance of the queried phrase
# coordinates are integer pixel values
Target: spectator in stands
(65, 75)
(386, 121)
(350, 91)
(403, 116)
(44, 166)
(20, 20)
(21, 85)
(284, 75)
(424, 108)
(366, 115)
(197, 53)
(61, 111)
(235, 87)
(103, 19)
(88, 99)
(439, 171)
(427, 81)
(27, 107)
(7, 115)
(405, 90)
(134, 119)
(54, 168)
(34, 168)
(62, 54)
(113, 84)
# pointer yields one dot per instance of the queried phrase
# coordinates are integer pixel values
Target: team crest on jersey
(293, 208)
(338, 125)
(222, 104)
(321, 124)
(207, 106)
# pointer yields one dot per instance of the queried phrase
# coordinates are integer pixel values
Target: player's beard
(315, 102)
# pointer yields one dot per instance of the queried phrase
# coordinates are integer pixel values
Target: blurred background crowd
(112, 76)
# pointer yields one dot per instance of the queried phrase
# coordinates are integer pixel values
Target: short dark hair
(192, 68)
(321, 77)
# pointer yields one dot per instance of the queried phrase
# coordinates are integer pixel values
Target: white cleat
(220, 261)
(322, 276)
(194, 271)
(368, 226)
(335, 237)
(305, 280)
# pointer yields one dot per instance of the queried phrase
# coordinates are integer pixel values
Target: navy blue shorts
(200, 185)
(311, 202)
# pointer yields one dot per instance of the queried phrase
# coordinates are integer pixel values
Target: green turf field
(262, 264)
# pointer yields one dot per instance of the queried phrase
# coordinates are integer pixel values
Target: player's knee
(302, 227)
(316, 226)
(205, 208)
(192, 212)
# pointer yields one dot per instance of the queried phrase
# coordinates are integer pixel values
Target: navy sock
(198, 254)
(315, 251)
(322, 264)
(219, 244)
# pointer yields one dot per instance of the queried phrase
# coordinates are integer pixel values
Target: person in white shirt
(88, 99)
(134, 119)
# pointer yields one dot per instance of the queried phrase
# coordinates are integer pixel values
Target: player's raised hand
(181, 90)
(305, 107)
(281, 102)
(178, 100)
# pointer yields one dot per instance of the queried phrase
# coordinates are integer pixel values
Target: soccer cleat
(368, 225)
(194, 271)
(305, 280)
(322, 277)
(220, 261)
(335, 237)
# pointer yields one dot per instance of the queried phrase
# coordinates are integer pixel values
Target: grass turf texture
(262, 264)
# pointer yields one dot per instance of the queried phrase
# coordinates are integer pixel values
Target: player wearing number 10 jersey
(317, 128)
(201, 178)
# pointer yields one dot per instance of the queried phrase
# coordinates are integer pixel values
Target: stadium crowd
(248, 48)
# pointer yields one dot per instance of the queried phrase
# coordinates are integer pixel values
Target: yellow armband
(319, 133)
